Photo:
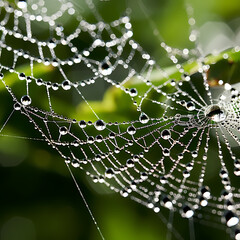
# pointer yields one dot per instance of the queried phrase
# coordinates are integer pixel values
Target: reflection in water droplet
(105, 68)
(26, 100)
(215, 113)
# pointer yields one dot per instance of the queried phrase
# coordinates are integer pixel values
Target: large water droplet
(215, 113)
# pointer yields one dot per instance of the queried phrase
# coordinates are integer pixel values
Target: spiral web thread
(159, 159)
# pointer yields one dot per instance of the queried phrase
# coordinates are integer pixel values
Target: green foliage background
(38, 197)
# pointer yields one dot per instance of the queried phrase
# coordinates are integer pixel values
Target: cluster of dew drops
(221, 113)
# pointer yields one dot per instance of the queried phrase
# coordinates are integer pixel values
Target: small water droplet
(75, 163)
(203, 202)
(190, 106)
(124, 193)
(105, 68)
(167, 203)
(143, 118)
(22, 3)
(187, 212)
(130, 163)
(82, 124)
(100, 125)
(63, 130)
(186, 174)
(231, 219)
(17, 106)
(26, 100)
(133, 92)
(66, 85)
(166, 152)
(166, 134)
(21, 76)
(109, 173)
(131, 130)
(237, 234)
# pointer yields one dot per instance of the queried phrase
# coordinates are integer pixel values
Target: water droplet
(215, 113)
(203, 202)
(52, 43)
(66, 85)
(130, 163)
(231, 219)
(124, 193)
(190, 106)
(166, 152)
(131, 130)
(67, 160)
(189, 166)
(237, 171)
(225, 194)
(109, 173)
(167, 203)
(144, 176)
(63, 130)
(75, 163)
(143, 118)
(133, 92)
(166, 134)
(186, 174)
(100, 125)
(163, 180)
(21, 76)
(187, 212)
(156, 209)
(22, 4)
(90, 140)
(99, 138)
(111, 135)
(26, 100)
(133, 185)
(223, 173)
(237, 234)
(39, 82)
(105, 68)
(17, 106)
(205, 192)
(194, 154)
(82, 124)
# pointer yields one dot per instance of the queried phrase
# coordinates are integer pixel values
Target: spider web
(158, 153)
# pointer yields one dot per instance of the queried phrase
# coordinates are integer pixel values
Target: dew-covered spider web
(149, 133)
